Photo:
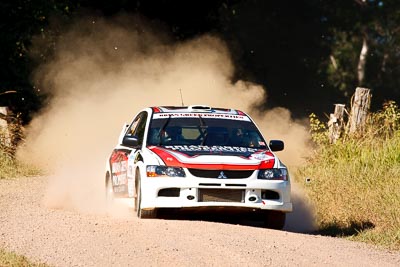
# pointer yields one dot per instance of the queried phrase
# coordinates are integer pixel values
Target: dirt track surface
(68, 238)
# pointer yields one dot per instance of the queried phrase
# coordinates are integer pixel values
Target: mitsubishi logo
(222, 175)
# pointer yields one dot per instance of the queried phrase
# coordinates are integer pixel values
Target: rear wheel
(138, 199)
(109, 188)
(275, 219)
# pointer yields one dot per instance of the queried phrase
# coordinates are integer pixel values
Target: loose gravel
(62, 237)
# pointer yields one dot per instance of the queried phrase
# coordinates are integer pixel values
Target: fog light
(252, 198)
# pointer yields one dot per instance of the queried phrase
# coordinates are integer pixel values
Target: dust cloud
(103, 73)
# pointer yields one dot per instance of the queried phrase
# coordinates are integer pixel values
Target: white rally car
(197, 157)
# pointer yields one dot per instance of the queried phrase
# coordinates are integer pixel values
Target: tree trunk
(362, 61)
(359, 110)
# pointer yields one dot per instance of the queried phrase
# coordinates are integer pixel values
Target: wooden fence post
(336, 123)
(359, 109)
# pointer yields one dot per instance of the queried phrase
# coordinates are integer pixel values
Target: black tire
(142, 214)
(275, 219)
(109, 188)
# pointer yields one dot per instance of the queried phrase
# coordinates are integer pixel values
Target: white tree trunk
(362, 61)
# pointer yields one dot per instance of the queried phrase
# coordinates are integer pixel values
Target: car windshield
(201, 130)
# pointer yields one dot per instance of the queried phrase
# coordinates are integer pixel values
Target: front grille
(221, 195)
(224, 174)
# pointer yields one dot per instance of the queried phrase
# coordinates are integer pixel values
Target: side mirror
(130, 141)
(276, 145)
(122, 133)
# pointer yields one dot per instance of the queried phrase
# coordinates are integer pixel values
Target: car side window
(138, 127)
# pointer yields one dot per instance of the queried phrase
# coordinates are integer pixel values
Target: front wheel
(143, 214)
(274, 219)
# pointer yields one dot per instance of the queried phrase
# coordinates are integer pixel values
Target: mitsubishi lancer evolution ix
(198, 157)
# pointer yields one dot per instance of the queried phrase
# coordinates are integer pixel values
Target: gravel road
(68, 238)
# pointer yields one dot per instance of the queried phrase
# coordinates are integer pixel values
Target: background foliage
(306, 49)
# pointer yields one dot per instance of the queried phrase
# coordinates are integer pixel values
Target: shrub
(9, 140)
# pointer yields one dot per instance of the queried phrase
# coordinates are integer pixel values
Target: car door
(121, 170)
(137, 130)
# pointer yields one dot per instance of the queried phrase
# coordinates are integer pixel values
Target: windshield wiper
(203, 128)
(163, 129)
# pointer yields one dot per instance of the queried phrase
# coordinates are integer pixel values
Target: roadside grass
(11, 168)
(11, 259)
(355, 183)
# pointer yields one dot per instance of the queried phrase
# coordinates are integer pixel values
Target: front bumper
(191, 192)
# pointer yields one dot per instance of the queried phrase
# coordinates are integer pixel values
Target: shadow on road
(221, 216)
(246, 218)
(300, 220)
(337, 230)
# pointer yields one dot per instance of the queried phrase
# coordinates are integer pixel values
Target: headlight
(273, 174)
(159, 171)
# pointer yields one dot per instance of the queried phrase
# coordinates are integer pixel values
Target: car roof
(196, 109)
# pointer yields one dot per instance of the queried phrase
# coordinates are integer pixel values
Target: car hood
(215, 157)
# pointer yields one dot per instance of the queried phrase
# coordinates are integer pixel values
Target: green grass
(355, 183)
(11, 259)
